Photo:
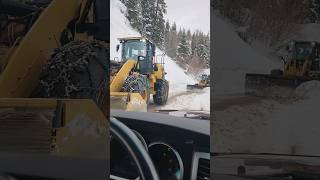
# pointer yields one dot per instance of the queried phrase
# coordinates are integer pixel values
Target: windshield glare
(133, 49)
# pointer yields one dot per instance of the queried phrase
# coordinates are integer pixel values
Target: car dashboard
(178, 147)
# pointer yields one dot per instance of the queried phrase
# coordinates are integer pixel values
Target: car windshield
(132, 49)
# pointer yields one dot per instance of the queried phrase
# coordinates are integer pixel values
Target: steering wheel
(135, 149)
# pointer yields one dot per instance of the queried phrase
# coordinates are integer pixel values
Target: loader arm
(22, 72)
(125, 100)
(121, 76)
(57, 126)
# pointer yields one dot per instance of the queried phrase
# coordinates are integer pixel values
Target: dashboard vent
(203, 169)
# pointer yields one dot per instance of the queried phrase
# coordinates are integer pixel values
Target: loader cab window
(302, 51)
(204, 77)
(133, 49)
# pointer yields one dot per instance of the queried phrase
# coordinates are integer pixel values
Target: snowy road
(269, 126)
(184, 100)
(220, 104)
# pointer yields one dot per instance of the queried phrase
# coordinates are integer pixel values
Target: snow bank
(176, 76)
(233, 58)
(193, 101)
(308, 32)
(119, 26)
(308, 90)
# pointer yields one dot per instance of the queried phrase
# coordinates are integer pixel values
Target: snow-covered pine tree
(173, 41)
(202, 49)
(147, 13)
(134, 13)
(158, 28)
(315, 11)
(183, 51)
(167, 36)
(194, 42)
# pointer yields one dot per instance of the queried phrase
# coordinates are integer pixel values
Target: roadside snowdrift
(233, 58)
(119, 26)
(308, 32)
(193, 101)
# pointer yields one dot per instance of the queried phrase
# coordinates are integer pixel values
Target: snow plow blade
(194, 87)
(128, 101)
(272, 85)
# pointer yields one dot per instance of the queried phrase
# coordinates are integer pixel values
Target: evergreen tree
(314, 15)
(134, 13)
(183, 51)
(202, 50)
(147, 15)
(167, 36)
(173, 41)
(194, 41)
(158, 28)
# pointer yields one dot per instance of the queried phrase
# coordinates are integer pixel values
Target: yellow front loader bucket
(127, 101)
(71, 128)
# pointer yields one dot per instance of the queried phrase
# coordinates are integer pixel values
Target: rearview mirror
(141, 58)
(118, 47)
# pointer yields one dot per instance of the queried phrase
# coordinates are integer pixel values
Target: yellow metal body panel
(84, 131)
(293, 68)
(159, 74)
(137, 103)
(121, 76)
(128, 101)
(25, 63)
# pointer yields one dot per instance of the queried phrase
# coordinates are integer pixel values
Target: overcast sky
(190, 14)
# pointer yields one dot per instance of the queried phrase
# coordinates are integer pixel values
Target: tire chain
(62, 63)
(132, 80)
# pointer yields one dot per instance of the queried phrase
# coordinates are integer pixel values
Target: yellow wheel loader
(53, 77)
(203, 83)
(137, 76)
(303, 64)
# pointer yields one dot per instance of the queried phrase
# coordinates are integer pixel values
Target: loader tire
(78, 70)
(137, 83)
(161, 92)
(276, 72)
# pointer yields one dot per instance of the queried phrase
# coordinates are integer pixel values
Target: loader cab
(140, 50)
(303, 50)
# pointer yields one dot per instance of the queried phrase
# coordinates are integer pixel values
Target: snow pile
(308, 32)
(193, 101)
(308, 90)
(233, 58)
(119, 26)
